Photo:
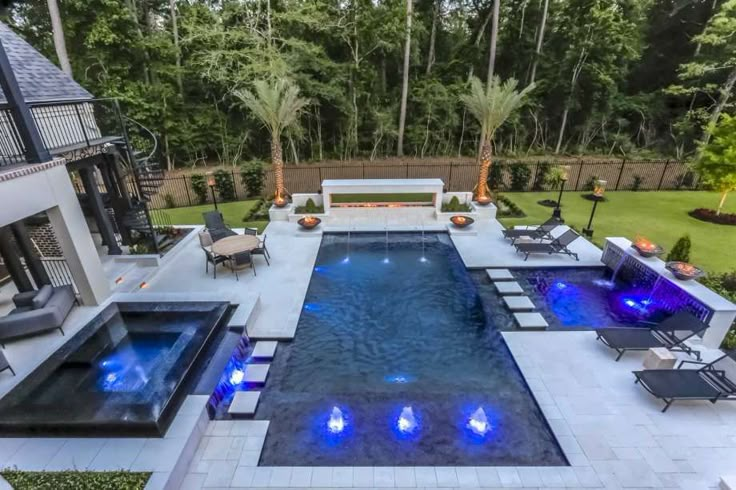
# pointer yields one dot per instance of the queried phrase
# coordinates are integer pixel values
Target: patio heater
(557, 213)
(211, 184)
(599, 189)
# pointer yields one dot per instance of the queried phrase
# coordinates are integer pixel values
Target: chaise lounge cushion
(42, 297)
(24, 321)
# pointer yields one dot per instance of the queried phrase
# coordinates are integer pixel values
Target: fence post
(449, 180)
(620, 173)
(362, 169)
(664, 172)
(186, 188)
(580, 172)
(320, 176)
(407, 169)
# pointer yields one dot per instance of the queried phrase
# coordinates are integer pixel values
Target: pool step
(244, 404)
(508, 287)
(500, 274)
(518, 303)
(531, 321)
(256, 373)
(264, 349)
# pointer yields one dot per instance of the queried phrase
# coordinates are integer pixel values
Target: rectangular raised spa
(124, 373)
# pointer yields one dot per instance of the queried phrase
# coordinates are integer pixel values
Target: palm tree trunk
(405, 79)
(58, 32)
(481, 190)
(278, 168)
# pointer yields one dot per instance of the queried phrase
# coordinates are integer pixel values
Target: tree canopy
(614, 77)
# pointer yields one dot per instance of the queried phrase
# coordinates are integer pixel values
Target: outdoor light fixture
(119, 280)
(336, 423)
(478, 422)
(211, 185)
(407, 422)
(236, 376)
(557, 213)
(143, 285)
(599, 188)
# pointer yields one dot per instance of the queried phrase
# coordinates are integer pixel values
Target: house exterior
(88, 180)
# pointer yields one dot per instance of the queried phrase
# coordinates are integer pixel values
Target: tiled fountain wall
(669, 297)
(671, 294)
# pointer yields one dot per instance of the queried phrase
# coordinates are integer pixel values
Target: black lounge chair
(556, 246)
(215, 225)
(671, 334)
(711, 382)
(539, 233)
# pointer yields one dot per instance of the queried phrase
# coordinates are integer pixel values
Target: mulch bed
(710, 216)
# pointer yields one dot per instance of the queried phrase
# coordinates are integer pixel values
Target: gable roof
(39, 79)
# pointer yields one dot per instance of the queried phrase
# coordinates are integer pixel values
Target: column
(34, 264)
(12, 261)
(98, 210)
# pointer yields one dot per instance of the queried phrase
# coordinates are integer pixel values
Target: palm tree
(278, 106)
(491, 106)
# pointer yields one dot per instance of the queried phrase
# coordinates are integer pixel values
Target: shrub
(520, 175)
(75, 480)
(495, 176)
(508, 208)
(169, 201)
(681, 250)
(686, 180)
(540, 180)
(225, 185)
(253, 176)
(730, 341)
(199, 187)
(455, 206)
(636, 182)
(310, 208)
(259, 212)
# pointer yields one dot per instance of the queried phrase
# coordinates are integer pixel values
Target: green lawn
(233, 212)
(659, 216)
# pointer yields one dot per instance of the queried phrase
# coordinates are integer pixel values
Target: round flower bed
(593, 197)
(548, 203)
(710, 216)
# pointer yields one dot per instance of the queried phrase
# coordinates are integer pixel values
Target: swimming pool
(395, 363)
(124, 373)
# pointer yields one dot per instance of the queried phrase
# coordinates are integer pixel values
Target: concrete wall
(31, 189)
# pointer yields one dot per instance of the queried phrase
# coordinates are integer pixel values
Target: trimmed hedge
(75, 480)
(709, 215)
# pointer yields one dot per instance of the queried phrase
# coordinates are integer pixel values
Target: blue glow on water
(386, 260)
(406, 423)
(236, 376)
(399, 378)
(312, 307)
(346, 260)
(320, 268)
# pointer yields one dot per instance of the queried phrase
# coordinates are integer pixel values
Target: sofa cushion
(43, 297)
(25, 298)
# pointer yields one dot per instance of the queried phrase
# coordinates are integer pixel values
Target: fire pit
(684, 271)
(462, 221)
(646, 248)
(484, 200)
(309, 222)
(280, 202)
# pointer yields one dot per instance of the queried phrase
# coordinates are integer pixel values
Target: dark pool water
(124, 373)
(392, 357)
(587, 298)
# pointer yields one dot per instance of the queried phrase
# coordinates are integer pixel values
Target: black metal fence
(177, 191)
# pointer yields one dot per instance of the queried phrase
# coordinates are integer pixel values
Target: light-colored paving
(264, 349)
(256, 373)
(489, 249)
(530, 320)
(500, 275)
(518, 303)
(244, 403)
(508, 287)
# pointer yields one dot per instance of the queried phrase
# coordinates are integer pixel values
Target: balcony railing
(65, 126)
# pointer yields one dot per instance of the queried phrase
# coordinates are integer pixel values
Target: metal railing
(63, 125)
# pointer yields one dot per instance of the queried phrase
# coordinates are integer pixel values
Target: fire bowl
(280, 202)
(684, 271)
(309, 222)
(484, 200)
(462, 221)
(647, 249)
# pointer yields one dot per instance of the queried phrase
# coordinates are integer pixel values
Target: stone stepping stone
(264, 349)
(508, 287)
(530, 321)
(500, 274)
(256, 373)
(518, 303)
(244, 403)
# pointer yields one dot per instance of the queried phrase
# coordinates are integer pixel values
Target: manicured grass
(233, 212)
(377, 197)
(659, 216)
(75, 480)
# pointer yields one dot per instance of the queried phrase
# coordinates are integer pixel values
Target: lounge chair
(556, 246)
(539, 233)
(215, 225)
(671, 334)
(713, 381)
(37, 312)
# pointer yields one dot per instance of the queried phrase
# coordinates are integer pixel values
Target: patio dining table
(233, 245)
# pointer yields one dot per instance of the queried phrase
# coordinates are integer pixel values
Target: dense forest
(612, 77)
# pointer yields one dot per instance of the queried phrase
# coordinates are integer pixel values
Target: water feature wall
(671, 294)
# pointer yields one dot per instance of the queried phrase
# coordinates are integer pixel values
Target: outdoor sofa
(556, 246)
(37, 312)
(713, 381)
(671, 333)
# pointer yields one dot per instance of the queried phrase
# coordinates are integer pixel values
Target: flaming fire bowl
(462, 221)
(684, 271)
(309, 222)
